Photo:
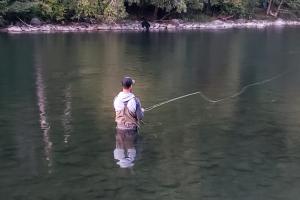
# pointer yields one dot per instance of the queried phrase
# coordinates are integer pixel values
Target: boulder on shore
(171, 26)
(14, 29)
(175, 22)
(36, 22)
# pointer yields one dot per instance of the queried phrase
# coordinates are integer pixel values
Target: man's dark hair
(127, 82)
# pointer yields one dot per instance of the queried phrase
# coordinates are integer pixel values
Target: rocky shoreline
(173, 25)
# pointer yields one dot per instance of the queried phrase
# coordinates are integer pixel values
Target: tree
(84, 8)
(21, 9)
(114, 10)
(3, 6)
(272, 3)
(52, 9)
(168, 6)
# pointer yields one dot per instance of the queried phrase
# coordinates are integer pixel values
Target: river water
(57, 120)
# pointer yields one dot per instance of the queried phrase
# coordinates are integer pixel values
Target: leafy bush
(293, 4)
(3, 6)
(22, 9)
(84, 8)
(52, 9)
(114, 10)
(235, 8)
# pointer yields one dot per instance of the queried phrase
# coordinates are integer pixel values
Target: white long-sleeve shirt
(133, 103)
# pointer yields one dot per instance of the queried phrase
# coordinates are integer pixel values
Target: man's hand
(143, 110)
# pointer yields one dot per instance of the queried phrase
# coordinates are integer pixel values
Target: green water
(57, 121)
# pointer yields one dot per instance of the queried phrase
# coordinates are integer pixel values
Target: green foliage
(52, 9)
(293, 4)
(23, 9)
(168, 5)
(195, 4)
(114, 10)
(236, 8)
(84, 8)
(3, 6)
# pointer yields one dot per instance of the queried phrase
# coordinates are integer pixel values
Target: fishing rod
(209, 100)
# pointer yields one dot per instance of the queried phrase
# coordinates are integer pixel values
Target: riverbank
(172, 25)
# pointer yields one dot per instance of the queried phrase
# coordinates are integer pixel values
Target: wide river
(57, 129)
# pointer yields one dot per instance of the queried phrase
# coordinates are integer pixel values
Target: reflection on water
(42, 105)
(67, 116)
(125, 151)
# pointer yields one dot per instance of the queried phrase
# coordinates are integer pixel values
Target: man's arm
(139, 110)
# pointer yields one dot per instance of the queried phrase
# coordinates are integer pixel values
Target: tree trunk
(207, 8)
(155, 12)
(277, 11)
(142, 8)
(269, 7)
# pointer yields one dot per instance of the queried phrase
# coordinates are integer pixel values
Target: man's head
(127, 83)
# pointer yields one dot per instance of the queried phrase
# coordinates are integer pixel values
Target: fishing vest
(126, 119)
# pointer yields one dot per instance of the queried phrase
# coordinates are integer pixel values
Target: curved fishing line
(206, 98)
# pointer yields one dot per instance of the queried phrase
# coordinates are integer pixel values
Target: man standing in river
(129, 113)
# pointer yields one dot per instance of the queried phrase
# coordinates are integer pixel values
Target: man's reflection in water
(125, 151)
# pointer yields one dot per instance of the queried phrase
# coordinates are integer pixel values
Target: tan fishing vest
(126, 119)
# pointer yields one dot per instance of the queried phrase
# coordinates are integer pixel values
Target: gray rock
(14, 29)
(171, 26)
(175, 22)
(36, 22)
(188, 26)
(116, 27)
(155, 26)
(46, 28)
(103, 27)
(241, 21)
(279, 22)
(217, 22)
